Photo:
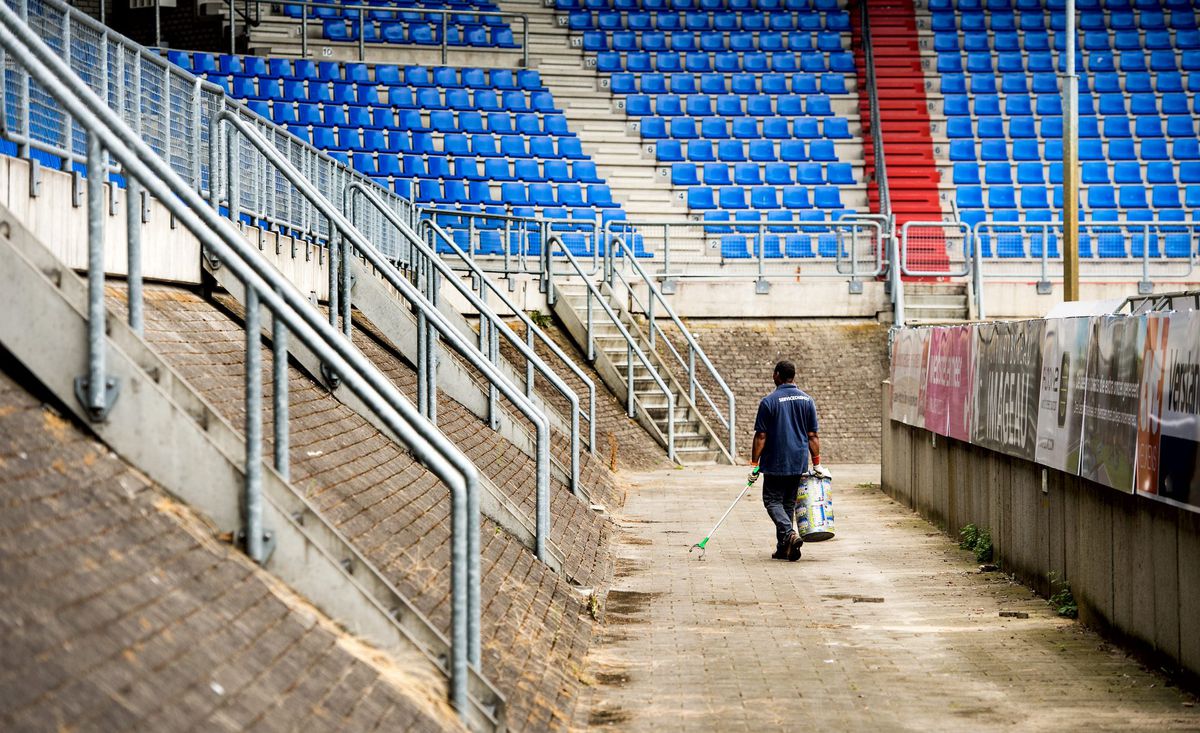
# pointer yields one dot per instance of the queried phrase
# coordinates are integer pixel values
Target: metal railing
(618, 251)
(492, 326)
(362, 12)
(881, 178)
(170, 109)
(431, 319)
(1149, 250)
(32, 62)
(593, 296)
(935, 249)
(518, 253)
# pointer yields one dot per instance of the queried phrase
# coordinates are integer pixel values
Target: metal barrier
(522, 238)
(363, 10)
(935, 249)
(631, 347)
(170, 109)
(1147, 249)
(30, 62)
(619, 251)
(430, 316)
(491, 328)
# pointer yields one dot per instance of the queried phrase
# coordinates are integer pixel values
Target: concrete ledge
(1133, 564)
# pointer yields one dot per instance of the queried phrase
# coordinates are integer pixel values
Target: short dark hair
(786, 370)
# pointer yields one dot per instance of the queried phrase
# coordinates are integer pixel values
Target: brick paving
(536, 628)
(890, 626)
(118, 611)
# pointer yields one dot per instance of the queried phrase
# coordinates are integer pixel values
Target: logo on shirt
(795, 397)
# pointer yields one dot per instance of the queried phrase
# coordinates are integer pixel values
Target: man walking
(785, 433)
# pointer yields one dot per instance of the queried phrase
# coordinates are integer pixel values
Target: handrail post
(362, 35)
(232, 29)
(524, 41)
(1145, 287)
(279, 395)
(443, 16)
(95, 390)
(304, 32)
(253, 428)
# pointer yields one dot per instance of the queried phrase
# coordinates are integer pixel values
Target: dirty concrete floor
(890, 626)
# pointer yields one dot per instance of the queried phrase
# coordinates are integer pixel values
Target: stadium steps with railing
(695, 441)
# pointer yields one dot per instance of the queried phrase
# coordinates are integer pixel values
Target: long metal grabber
(221, 237)
(531, 328)
(632, 349)
(485, 311)
(350, 235)
(693, 345)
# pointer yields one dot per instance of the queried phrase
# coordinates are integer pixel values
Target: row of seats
(663, 6)
(429, 98)
(1145, 126)
(1113, 128)
(513, 193)
(1054, 6)
(420, 34)
(700, 22)
(740, 84)
(1097, 197)
(391, 11)
(410, 120)
(669, 62)
(783, 59)
(1041, 20)
(701, 107)
(1043, 61)
(470, 168)
(380, 75)
(1102, 173)
(1018, 82)
(736, 151)
(771, 174)
(745, 128)
(418, 143)
(732, 198)
(713, 43)
(1089, 150)
(1123, 42)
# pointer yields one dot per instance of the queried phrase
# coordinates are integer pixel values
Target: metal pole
(232, 28)
(157, 24)
(347, 319)
(304, 33)
(95, 398)
(525, 41)
(629, 379)
(443, 39)
(1070, 165)
(253, 481)
(362, 32)
(279, 395)
(133, 245)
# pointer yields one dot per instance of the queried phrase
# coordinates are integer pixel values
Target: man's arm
(760, 442)
(814, 448)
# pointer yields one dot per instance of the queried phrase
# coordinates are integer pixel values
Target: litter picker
(713, 531)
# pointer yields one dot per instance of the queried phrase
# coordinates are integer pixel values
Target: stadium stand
(736, 98)
(469, 139)
(997, 66)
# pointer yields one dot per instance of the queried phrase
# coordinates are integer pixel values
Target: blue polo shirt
(787, 416)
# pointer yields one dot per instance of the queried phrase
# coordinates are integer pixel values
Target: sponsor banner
(907, 374)
(949, 381)
(1008, 358)
(1110, 400)
(1060, 401)
(1168, 436)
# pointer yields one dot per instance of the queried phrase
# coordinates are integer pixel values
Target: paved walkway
(889, 626)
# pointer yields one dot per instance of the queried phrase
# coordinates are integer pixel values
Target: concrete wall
(1133, 564)
(840, 362)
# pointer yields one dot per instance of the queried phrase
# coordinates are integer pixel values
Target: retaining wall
(1133, 564)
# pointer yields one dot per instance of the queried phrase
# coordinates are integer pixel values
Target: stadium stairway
(695, 440)
(623, 160)
(904, 122)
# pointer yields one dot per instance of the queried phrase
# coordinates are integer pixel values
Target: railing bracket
(1044, 287)
(332, 380)
(35, 178)
(210, 259)
(268, 543)
(77, 187)
(856, 287)
(762, 286)
(669, 286)
(112, 389)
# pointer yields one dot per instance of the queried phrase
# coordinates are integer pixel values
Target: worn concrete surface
(889, 626)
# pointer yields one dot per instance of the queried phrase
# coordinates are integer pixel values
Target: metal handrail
(631, 347)
(429, 311)
(364, 9)
(542, 224)
(488, 334)
(655, 296)
(264, 284)
(913, 272)
(881, 179)
(532, 330)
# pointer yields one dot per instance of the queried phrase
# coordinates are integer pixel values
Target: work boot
(780, 553)
(793, 544)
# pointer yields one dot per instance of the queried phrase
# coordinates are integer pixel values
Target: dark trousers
(779, 497)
